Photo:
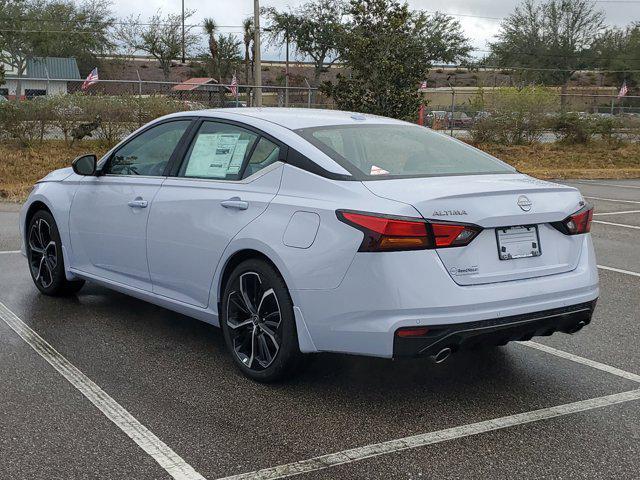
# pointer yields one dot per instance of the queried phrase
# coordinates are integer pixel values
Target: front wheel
(258, 322)
(44, 252)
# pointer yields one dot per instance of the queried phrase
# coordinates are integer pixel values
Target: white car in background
(301, 231)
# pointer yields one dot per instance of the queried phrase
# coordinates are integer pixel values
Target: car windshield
(388, 150)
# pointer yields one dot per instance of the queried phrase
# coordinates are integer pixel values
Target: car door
(109, 212)
(229, 175)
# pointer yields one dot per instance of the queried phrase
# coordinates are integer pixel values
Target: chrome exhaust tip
(441, 356)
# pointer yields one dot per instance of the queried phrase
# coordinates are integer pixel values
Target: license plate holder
(518, 242)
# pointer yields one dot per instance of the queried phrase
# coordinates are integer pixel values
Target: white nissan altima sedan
(301, 231)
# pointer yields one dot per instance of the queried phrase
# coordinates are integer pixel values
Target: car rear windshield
(387, 150)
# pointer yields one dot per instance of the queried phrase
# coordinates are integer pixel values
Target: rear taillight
(453, 235)
(385, 233)
(577, 223)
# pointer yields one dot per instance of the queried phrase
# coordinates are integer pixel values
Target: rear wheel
(258, 322)
(44, 252)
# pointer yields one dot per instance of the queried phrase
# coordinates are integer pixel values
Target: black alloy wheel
(44, 253)
(258, 322)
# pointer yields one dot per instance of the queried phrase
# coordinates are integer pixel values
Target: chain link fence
(111, 109)
(205, 92)
(462, 108)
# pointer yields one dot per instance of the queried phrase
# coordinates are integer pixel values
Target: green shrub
(519, 116)
(605, 127)
(572, 128)
(30, 121)
(27, 122)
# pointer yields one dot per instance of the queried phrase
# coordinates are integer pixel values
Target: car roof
(295, 118)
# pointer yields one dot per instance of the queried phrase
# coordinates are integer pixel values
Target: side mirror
(85, 165)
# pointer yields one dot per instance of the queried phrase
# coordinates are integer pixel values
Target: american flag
(623, 90)
(92, 79)
(234, 86)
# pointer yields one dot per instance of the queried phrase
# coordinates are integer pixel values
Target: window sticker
(214, 155)
(375, 170)
(238, 156)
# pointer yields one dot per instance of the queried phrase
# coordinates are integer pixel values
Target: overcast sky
(230, 13)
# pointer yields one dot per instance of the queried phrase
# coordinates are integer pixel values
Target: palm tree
(210, 29)
(247, 26)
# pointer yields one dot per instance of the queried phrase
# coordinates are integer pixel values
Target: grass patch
(554, 160)
(21, 167)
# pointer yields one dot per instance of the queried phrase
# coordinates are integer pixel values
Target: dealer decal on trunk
(464, 271)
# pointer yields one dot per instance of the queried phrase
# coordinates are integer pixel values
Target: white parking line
(152, 445)
(616, 213)
(584, 361)
(4, 252)
(619, 270)
(398, 445)
(635, 227)
(613, 200)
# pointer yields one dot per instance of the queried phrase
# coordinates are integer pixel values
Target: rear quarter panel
(323, 264)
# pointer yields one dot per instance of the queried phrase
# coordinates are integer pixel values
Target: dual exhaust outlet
(441, 355)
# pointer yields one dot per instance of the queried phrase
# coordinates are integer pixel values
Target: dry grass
(21, 167)
(595, 160)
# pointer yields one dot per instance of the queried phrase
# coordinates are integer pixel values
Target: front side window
(218, 151)
(392, 150)
(148, 153)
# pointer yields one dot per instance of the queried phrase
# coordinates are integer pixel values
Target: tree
(619, 49)
(80, 30)
(553, 39)
(161, 37)
(229, 55)
(210, 29)
(16, 44)
(389, 50)
(58, 28)
(247, 38)
(314, 29)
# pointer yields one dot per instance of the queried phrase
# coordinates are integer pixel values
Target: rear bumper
(498, 331)
(383, 292)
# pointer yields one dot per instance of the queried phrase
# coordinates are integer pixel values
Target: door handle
(236, 203)
(138, 203)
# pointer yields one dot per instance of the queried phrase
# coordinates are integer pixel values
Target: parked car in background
(234, 104)
(459, 120)
(437, 119)
(481, 115)
(301, 231)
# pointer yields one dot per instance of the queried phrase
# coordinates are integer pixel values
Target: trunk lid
(492, 201)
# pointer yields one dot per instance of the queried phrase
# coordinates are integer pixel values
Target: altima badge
(524, 203)
(447, 213)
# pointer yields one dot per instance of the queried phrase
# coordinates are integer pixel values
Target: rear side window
(387, 151)
(265, 153)
(218, 152)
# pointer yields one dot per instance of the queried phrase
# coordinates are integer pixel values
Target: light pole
(257, 64)
(183, 52)
(286, 70)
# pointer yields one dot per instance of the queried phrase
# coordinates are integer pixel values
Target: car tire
(44, 254)
(258, 323)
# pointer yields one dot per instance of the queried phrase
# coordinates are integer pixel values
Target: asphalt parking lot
(105, 386)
